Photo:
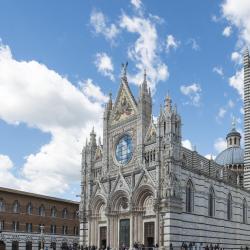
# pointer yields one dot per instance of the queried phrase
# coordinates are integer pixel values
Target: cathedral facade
(141, 185)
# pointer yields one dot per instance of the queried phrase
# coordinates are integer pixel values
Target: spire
(109, 106)
(234, 123)
(168, 103)
(93, 137)
(144, 85)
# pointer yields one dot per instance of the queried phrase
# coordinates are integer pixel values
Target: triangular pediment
(120, 184)
(125, 105)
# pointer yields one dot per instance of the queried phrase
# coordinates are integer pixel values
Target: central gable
(125, 104)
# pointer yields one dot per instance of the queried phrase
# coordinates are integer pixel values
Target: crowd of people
(184, 246)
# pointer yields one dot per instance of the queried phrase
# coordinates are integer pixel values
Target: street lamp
(42, 237)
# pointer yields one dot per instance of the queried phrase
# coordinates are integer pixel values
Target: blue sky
(60, 59)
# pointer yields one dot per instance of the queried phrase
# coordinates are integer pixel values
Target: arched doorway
(121, 226)
(2, 245)
(99, 222)
(143, 201)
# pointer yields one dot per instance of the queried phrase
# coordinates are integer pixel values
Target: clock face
(124, 149)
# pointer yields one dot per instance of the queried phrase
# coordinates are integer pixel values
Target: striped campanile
(247, 119)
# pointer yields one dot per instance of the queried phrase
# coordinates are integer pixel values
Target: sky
(59, 60)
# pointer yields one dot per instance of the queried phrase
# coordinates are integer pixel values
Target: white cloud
(5, 162)
(218, 70)
(31, 93)
(193, 91)
(194, 44)
(187, 144)
(136, 3)
(93, 91)
(236, 57)
(227, 31)
(145, 51)
(210, 156)
(230, 104)
(104, 65)
(238, 14)
(220, 144)
(171, 42)
(222, 112)
(100, 24)
(237, 82)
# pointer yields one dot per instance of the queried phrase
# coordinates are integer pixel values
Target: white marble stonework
(141, 185)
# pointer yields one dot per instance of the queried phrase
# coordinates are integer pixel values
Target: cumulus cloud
(187, 144)
(101, 25)
(236, 57)
(136, 3)
(218, 70)
(220, 144)
(193, 91)
(238, 14)
(104, 65)
(237, 81)
(171, 42)
(227, 31)
(93, 91)
(145, 51)
(5, 162)
(33, 94)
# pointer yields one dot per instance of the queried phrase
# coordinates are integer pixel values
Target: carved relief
(124, 107)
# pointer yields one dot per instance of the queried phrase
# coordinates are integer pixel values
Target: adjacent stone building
(28, 220)
(141, 185)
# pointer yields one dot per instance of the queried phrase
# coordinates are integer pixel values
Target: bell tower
(247, 119)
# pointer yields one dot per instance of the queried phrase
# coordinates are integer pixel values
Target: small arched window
(42, 210)
(29, 208)
(16, 207)
(229, 207)
(189, 197)
(2, 205)
(244, 211)
(211, 202)
(65, 213)
(53, 211)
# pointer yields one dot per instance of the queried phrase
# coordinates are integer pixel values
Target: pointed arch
(229, 207)
(189, 196)
(211, 202)
(244, 211)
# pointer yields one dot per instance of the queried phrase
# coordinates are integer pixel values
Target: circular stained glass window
(124, 149)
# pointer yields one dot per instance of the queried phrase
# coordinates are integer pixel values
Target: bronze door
(124, 239)
(103, 237)
(149, 234)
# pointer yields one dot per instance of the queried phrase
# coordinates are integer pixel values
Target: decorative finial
(124, 69)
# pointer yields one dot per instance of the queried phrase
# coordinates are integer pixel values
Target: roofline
(15, 191)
